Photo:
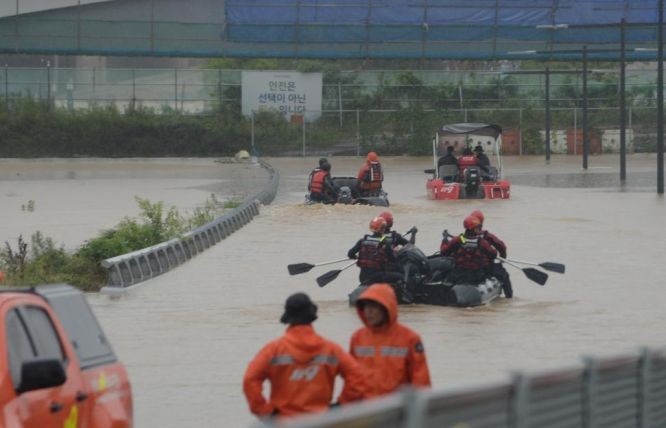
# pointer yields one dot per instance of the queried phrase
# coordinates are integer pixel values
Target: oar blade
(296, 268)
(328, 277)
(553, 267)
(536, 275)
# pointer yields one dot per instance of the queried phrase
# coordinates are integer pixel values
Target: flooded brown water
(187, 336)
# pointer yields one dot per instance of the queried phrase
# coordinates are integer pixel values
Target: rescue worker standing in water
(390, 353)
(321, 185)
(498, 268)
(473, 255)
(370, 176)
(301, 367)
(375, 256)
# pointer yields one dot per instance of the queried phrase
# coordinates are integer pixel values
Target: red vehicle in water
(57, 368)
(465, 172)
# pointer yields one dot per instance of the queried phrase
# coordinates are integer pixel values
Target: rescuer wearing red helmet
(395, 237)
(370, 176)
(498, 269)
(473, 255)
(375, 256)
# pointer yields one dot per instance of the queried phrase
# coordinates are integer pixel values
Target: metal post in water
(548, 122)
(585, 142)
(623, 108)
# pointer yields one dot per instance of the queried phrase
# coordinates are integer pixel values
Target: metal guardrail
(130, 269)
(624, 391)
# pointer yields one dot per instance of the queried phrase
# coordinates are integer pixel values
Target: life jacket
(372, 253)
(469, 255)
(317, 182)
(372, 176)
(312, 173)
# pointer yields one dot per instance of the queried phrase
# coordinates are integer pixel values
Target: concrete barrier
(130, 269)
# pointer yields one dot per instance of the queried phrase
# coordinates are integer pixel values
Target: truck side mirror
(40, 374)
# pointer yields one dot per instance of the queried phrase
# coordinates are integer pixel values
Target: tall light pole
(660, 101)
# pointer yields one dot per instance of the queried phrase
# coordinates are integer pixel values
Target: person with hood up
(390, 353)
(301, 367)
(370, 176)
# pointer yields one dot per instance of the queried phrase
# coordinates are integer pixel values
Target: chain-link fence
(395, 112)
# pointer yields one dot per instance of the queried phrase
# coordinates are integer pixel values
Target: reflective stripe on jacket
(391, 355)
(301, 367)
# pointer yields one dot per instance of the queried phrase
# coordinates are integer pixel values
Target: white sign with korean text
(289, 92)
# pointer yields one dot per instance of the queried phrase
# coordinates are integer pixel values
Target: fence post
(589, 392)
(303, 123)
(252, 133)
(340, 102)
(644, 396)
(520, 133)
(175, 89)
(519, 401)
(6, 87)
(358, 133)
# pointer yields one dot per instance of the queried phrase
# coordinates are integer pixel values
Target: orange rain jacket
(391, 355)
(301, 367)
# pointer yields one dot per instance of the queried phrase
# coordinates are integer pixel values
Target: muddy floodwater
(187, 335)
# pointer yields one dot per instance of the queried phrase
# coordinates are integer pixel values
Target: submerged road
(187, 336)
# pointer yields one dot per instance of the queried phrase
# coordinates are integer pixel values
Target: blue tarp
(453, 29)
(440, 12)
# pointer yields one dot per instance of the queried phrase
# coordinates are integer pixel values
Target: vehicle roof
(486, 129)
(76, 316)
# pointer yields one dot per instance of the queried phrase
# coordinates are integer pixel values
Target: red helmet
(386, 215)
(478, 214)
(378, 224)
(471, 222)
(372, 157)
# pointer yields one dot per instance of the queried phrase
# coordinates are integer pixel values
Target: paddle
(296, 268)
(531, 273)
(331, 275)
(551, 266)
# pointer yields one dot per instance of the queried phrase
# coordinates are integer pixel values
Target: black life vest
(372, 253)
(469, 255)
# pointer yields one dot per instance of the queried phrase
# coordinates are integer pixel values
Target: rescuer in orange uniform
(390, 353)
(301, 367)
(370, 176)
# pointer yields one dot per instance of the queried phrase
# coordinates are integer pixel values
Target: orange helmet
(471, 222)
(378, 224)
(372, 157)
(386, 215)
(478, 214)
